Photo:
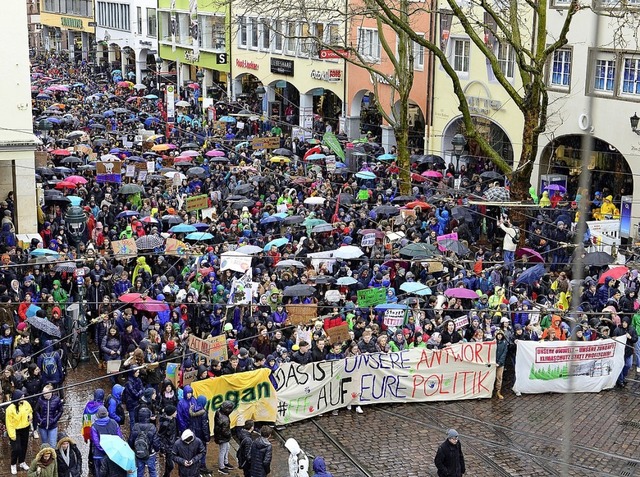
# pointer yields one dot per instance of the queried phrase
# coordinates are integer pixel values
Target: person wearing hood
(103, 425)
(141, 270)
(449, 459)
(145, 446)
(59, 294)
(167, 432)
(45, 464)
(187, 452)
(298, 460)
(398, 341)
(501, 358)
(69, 457)
(50, 364)
(243, 454)
(261, 454)
(18, 421)
(320, 468)
(199, 424)
(559, 332)
(47, 414)
(133, 391)
(113, 403)
(168, 396)
(6, 345)
(222, 434)
(148, 401)
(184, 405)
(625, 329)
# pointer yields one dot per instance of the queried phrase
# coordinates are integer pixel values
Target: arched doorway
(490, 130)
(365, 106)
(416, 125)
(283, 102)
(326, 106)
(244, 90)
(610, 171)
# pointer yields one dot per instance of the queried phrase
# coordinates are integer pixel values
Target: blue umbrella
(316, 157)
(270, 219)
(108, 113)
(62, 170)
(183, 229)
(43, 96)
(416, 288)
(199, 236)
(119, 452)
(200, 227)
(150, 96)
(279, 242)
(365, 175)
(390, 306)
(75, 200)
(340, 165)
(282, 215)
(346, 281)
(531, 274)
(151, 121)
(386, 157)
(54, 120)
(127, 213)
(41, 252)
(227, 119)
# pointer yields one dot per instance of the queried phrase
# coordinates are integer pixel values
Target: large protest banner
(372, 297)
(252, 392)
(461, 371)
(568, 366)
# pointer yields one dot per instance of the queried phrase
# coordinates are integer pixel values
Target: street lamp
(634, 123)
(200, 79)
(458, 142)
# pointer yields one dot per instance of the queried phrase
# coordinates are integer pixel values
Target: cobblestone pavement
(520, 436)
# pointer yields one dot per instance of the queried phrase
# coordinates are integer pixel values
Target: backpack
(49, 365)
(119, 407)
(142, 446)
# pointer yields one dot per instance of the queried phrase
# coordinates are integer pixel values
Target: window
(506, 59)
(305, 41)
(212, 34)
(461, 55)
(265, 25)
(115, 16)
(418, 55)
(335, 38)
(369, 44)
(631, 76)
(242, 32)
(139, 15)
(291, 38)
(183, 32)
(152, 22)
(277, 35)
(561, 68)
(252, 25)
(604, 74)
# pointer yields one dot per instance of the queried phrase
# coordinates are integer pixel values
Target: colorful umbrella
(616, 273)
(44, 325)
(463, 293)
(119, 452)
(199, 236)
(183, 229)
(416, 288)
(279, 242)
(532, 255)
(432, 174)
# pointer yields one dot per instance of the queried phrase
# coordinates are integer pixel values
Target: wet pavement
(520, 436)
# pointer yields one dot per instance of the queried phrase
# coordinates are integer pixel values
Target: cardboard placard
(171, 373)
(125, 248)
(113, 366)
(197, 202)
(108, 167)
(218, 348)
(434, 266)
(339, 334)
(302, 314)
(272, 142)
(189, 376)
(372, 297)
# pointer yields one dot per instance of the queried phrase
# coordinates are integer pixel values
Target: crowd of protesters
(253, 201)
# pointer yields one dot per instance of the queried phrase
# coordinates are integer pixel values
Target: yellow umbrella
(281, 159)
(160, 147)
(154, 137)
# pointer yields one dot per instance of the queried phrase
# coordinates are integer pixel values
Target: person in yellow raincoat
(141, 266)
(608, 209)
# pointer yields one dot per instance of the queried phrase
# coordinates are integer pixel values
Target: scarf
(65, 455)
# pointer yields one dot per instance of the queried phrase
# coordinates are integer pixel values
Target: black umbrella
(87, 167)
(100, 142)
(597, 259)
(190, 145)
(324, 280)
(129, 189)
(233, 197)
(45, 172)
(294, 219)
(532, 274)
(70, 160)
(454, 246)
(461, 213)
(97, 126)
(56, 199)
(401, 199)
(220, 160)
(196, 172)
(242, 203)
(243, 189)
(346, 199)
(387, 210)
(172, 219)
(299, 290)
(419, 250)
(282, 151)
(491, 176)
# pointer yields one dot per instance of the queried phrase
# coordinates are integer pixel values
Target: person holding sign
(449, 459)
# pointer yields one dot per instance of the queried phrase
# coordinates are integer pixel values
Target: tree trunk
(521, 177)
(403, 158)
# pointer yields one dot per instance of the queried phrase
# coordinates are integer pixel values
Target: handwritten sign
(197, 202)
(394, 317)
(113, 366)
(125, 248)
(372, 297)
(302, 314)
(189, 376)
(171, 373)
(368, 240)
(265, 142)
(218, 348)
(461, 321)
(339, 334)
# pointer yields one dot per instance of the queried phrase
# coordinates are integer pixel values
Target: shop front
(73, 34)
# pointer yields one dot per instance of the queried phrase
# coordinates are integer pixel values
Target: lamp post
(260, 91)
(634, 123)
(200, 78)
(458, 142)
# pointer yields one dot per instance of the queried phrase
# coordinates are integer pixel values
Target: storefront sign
(333, 54)
(327, 75)
(480, 105)
(282, 67)
(191, 56)
(72, 23)
(250, 65)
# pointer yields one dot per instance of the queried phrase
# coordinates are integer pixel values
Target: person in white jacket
(298, 460)
(509, 243)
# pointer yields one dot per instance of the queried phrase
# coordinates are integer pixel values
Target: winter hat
(171, 346)
(243, 352)
(451, 433)
(170, 409)
(102, 412)
(187, 435)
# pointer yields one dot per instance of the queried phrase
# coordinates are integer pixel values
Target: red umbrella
(149, 220)
(183, 160)
(463, 293)
(65, 185)
(417, 178)
(60, 152)
(148, 304)
(193, 86)
(130, 297)
(76, 179)
(313, 150)
(615, 273)
(435, 174)
(418, 203)
(532, 255)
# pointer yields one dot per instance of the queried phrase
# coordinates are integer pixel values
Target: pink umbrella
(148, 304)
(172, 146)
(149, 220)
(215, 153)
(532, 255)
(131, 99)
(58, 87)
(193, 86)
(434, 174)
(463, 293)
(189, 153)
(182, 160)
(77, 179)
(130, 297)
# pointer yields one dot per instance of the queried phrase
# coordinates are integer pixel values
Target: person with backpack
(48, 412)
(148, 401)
(145, 443)
(103, 425)
(298, 460)
(168, 433)
(50, 364)
(18, 421)
(243, 454)
(113, 403)
(133, 391)
(89, 416)
(222, 435)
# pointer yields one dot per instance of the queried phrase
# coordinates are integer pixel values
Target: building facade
(34, 26)
(193, 39)
(17, 142)
(127, 37)
(68, 26)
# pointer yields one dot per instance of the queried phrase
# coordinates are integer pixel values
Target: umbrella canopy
(125, 214)
(243, 189)
(249, 249)
(41, 252)
(491, 176)
(348, 252)
(314, 200)
(65, 185)
(367, 175)
(294, 219)
(615, 273)
(346, 281)
(215, 153)
(463, 293)
(461, 213)
(149, 242)
(388, 210)
(321, 228)
(243, 203)
(281, 151)
(432, 174)
(290, 263)
(76, 179)
(279, 242)
(531, 255)
(497, 194)
(454, 246)
(556, 188)
(199, 236)
(172, 219)
(419, 250)
(416, 288)
(280, 159)
(597, 259)
(183, 229)
(270, 219)
(44, 325)
(299, 290)
(60, 152)
(531, 275)
(346, 199)
(130, 297)
(119, 452)
(378, 233)
(148, 304)
(74, 199)
(68, 267)
(70, 160)
(129, 189)
(196, 172)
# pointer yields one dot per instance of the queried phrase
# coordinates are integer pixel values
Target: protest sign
(394, 317)
(339, 334)
(218, 348)
(189, 376)
(172, 373)
(567, 366)
(272, 142)
(461, 321)
(241, 292)
(461, 371)
(368, 240)
(302, 314)
(372, 297)
(251, 391)
(238, 262)
(197, 202)
(125, 248)
(174, 247)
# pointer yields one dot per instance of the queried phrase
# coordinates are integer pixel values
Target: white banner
(461, 371)
(568, 366)
(238, 262)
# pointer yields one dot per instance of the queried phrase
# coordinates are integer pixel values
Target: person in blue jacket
(184, 406)
(133, 390)
(114, 402)
(320, 468)
(48, 412)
